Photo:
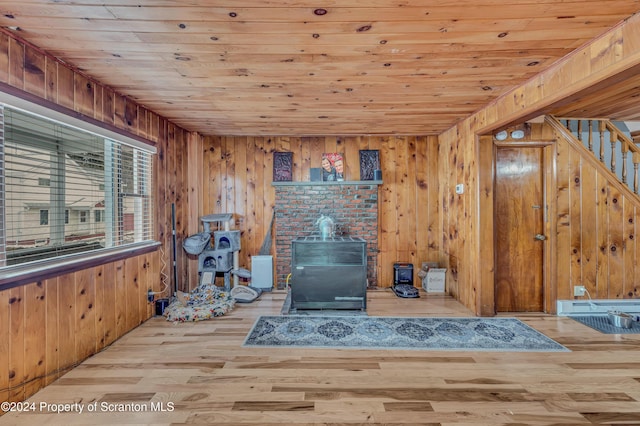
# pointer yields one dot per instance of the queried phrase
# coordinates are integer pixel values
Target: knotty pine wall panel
(238, 172)
(85, 319)
(467, 278)
(16, 350)
(595, 243)
(49, 326)
(34, 76)
(34, 337)
(631, 264)
(252, 216)
(16, 63)
(100, 309)
(581, 248)
(178, 187)
(596, 227)
(615, 247)
(52, 353)
(602, 229)
(387, 222)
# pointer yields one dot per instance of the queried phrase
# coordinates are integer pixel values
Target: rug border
(561, 347)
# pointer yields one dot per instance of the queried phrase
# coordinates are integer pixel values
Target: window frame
(44, 217)
(48, 268)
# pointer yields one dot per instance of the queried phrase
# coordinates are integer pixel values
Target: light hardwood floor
(202, 375)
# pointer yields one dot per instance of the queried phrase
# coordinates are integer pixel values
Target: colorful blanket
(206, 301)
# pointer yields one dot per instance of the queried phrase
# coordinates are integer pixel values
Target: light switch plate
(460, 188)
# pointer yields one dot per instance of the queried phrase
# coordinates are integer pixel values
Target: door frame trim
(485, 300)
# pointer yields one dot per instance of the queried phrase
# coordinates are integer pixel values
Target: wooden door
(519, 229)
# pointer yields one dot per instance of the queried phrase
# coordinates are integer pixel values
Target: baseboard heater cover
(596, 306)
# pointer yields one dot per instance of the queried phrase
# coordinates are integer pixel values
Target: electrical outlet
(150, 296)
(579, 290)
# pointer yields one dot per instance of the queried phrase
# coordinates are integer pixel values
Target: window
(83, 171)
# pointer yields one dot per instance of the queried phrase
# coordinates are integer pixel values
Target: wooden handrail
(616, 136)
(626, 145)
(621, 136)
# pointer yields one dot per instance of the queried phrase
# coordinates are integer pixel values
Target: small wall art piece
(369, 162)
(315, 174)
(282, 166)
(332, 166)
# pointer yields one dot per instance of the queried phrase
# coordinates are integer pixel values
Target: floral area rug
(360, 332)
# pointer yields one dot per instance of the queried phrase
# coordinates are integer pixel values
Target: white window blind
(65, 190)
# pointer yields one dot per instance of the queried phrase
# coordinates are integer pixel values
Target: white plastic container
(262, 272)
(434, 282)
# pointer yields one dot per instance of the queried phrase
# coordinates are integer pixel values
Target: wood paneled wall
(47, 327)
(237, 172)
(465, 242)
(596, 227)
(590, 224)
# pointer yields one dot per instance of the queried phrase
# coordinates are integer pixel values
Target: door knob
(540, 237)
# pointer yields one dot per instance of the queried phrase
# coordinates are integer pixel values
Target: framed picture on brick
(282, 166)
(332, 166)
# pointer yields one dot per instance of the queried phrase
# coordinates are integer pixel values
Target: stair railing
(612, 144)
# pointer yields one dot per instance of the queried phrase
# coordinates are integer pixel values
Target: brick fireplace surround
(352, 205)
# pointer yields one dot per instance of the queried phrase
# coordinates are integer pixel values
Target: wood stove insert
(328, 273)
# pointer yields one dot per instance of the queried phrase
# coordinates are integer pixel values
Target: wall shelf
(328, 183)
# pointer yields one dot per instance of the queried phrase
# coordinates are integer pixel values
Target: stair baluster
(614, 155)
(613, 139)
(602, 127)
(635, 157)
(625, 151)
(580, 138)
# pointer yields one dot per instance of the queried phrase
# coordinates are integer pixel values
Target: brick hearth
(298, 205)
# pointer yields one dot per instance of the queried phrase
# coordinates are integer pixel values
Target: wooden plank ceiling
(297, 67)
